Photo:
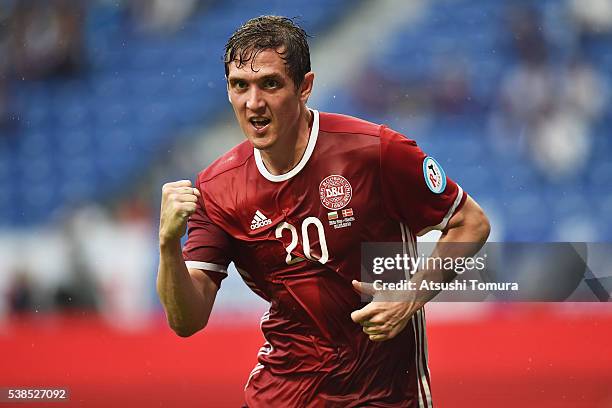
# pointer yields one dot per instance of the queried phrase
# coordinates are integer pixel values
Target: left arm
(383, 320)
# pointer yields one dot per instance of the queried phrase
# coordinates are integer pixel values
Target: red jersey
(295, 240)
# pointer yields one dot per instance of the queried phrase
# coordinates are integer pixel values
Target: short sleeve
(415, 188)
(208, 246)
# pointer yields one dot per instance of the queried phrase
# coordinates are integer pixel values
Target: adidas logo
(259, 220)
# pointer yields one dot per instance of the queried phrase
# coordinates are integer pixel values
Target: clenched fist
(178, 203)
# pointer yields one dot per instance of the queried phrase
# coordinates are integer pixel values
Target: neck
(287, 153)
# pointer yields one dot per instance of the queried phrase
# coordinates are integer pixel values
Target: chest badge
(335, 192)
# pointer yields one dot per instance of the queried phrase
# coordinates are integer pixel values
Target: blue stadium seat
(141, 90)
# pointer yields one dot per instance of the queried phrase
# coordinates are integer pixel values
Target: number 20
(305, 240)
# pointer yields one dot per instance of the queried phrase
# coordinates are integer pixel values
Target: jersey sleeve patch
(434, 174)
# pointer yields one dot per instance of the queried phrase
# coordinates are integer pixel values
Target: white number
(292, 245)
(305, 240)
(324, 253)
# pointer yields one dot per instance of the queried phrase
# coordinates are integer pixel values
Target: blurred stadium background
(102, 101)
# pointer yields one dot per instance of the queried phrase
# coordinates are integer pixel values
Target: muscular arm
(383, 319)
(465, 234)
(470, 224)
(187, 295)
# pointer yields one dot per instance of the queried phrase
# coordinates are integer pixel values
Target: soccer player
(290, 207)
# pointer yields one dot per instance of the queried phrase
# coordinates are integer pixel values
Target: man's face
(265, 99)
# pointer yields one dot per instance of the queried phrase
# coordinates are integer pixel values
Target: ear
(306, 87)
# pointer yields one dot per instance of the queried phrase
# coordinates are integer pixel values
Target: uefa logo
(435, 178)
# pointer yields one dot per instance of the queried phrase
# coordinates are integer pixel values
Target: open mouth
(259, 123)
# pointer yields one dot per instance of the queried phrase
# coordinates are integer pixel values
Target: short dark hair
(270, 32)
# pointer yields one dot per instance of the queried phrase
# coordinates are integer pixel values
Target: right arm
(187, 295)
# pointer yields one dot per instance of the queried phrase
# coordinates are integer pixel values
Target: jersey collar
(312, 141)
